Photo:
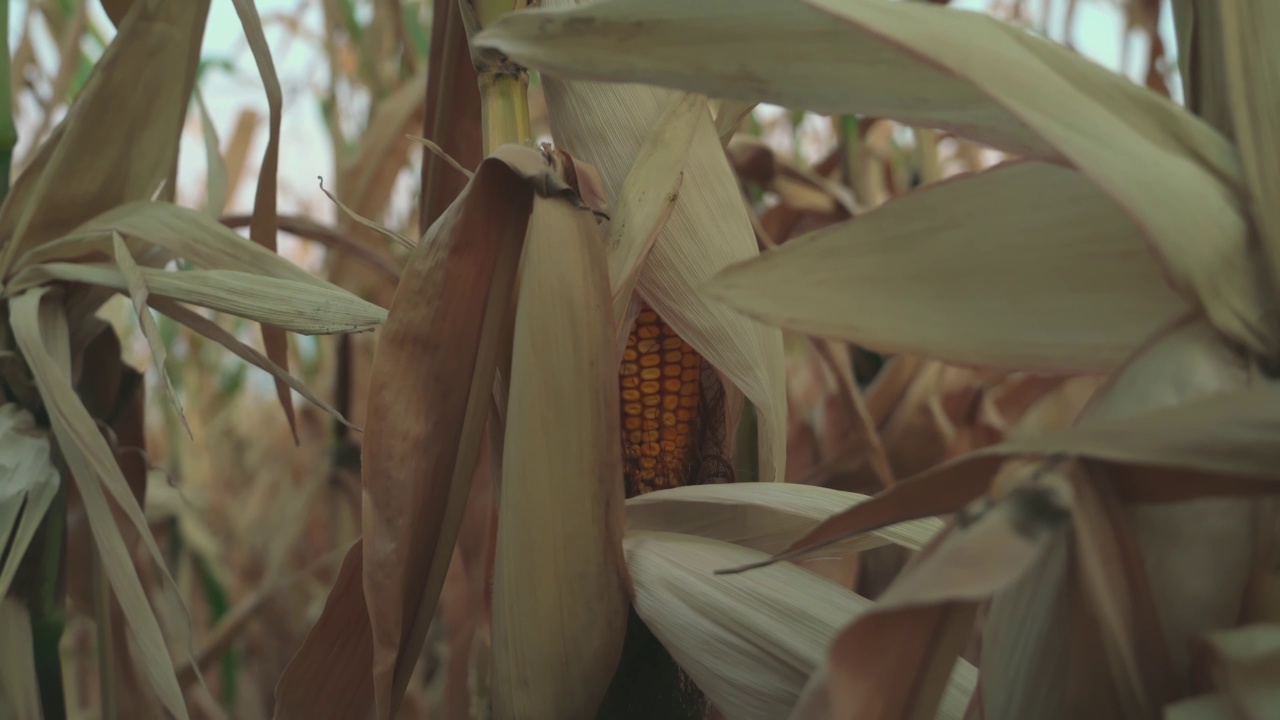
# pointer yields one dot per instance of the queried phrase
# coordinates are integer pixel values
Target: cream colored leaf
(648, 197)
(559, 598)
(19, 686)
(136, 286)
(766, 517)
(288, 304)
(40, 330)
(606, 126)
(28, 484)
(1022, 266)
(1173, 174)
(738, 636)
(180, 232)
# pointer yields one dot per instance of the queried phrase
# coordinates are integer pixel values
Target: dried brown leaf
(421, 442)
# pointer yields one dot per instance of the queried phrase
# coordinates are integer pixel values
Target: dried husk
(559, 588)
(606, 125)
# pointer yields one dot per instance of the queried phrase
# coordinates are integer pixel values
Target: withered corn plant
(92, 215)
(557, 302)
(1125, 566)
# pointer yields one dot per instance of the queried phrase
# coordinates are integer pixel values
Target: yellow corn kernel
(659, 384)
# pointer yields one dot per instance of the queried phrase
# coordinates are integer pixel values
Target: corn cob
(660, 386)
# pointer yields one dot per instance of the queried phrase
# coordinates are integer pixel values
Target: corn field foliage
(632, 359)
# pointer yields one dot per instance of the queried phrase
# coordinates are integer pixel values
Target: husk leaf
(559, 592)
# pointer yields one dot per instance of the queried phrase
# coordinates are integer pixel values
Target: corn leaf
(40, 330)
(180, 232)
(28, 484)
(1036, 232)
(298, 307)
(766, 517)
(136, 285)
(559, 588)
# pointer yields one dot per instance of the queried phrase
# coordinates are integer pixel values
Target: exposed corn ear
(660, 383)
(736, 635)
(766, 517)
(607, 125)
(559, 595)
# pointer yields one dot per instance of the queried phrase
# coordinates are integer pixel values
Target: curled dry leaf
(421, 445)
(559, 588)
